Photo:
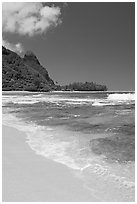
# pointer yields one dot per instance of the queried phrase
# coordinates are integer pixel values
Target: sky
(76, 41)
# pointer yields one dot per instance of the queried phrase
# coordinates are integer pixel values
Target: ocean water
(93, 133)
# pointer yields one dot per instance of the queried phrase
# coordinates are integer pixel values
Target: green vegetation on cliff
(24, 73)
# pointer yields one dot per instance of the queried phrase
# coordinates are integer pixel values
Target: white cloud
(18, 48)
(29, 18)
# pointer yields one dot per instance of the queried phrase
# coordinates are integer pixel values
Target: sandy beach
(28, 177)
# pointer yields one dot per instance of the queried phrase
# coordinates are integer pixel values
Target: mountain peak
(30, 56)
(30, 53)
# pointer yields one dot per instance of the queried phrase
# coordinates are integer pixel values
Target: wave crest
(122, 97)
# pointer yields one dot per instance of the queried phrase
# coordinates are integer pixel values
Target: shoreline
(13, 91)
(28, 177)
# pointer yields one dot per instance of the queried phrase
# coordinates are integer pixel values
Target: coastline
(28, 177)
(66, 92)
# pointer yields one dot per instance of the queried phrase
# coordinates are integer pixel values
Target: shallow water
(91, 133)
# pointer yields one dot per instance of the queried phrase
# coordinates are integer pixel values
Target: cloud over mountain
(27, 18)
(18, 48)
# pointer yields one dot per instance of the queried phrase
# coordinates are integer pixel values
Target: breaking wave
(116, 99)
(111, 99)
(122, 97)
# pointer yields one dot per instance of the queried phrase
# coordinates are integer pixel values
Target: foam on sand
(44, 141)
(31, 178)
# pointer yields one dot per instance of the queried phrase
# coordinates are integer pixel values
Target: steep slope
(24, 73)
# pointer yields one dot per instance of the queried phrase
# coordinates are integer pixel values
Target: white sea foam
(112, 99)
(102, 103)
(49, 146)
(115, 99)
(121, 97)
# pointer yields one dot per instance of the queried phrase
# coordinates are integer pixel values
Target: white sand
(28, 177)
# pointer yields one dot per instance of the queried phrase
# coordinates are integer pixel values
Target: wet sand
(28, 177)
